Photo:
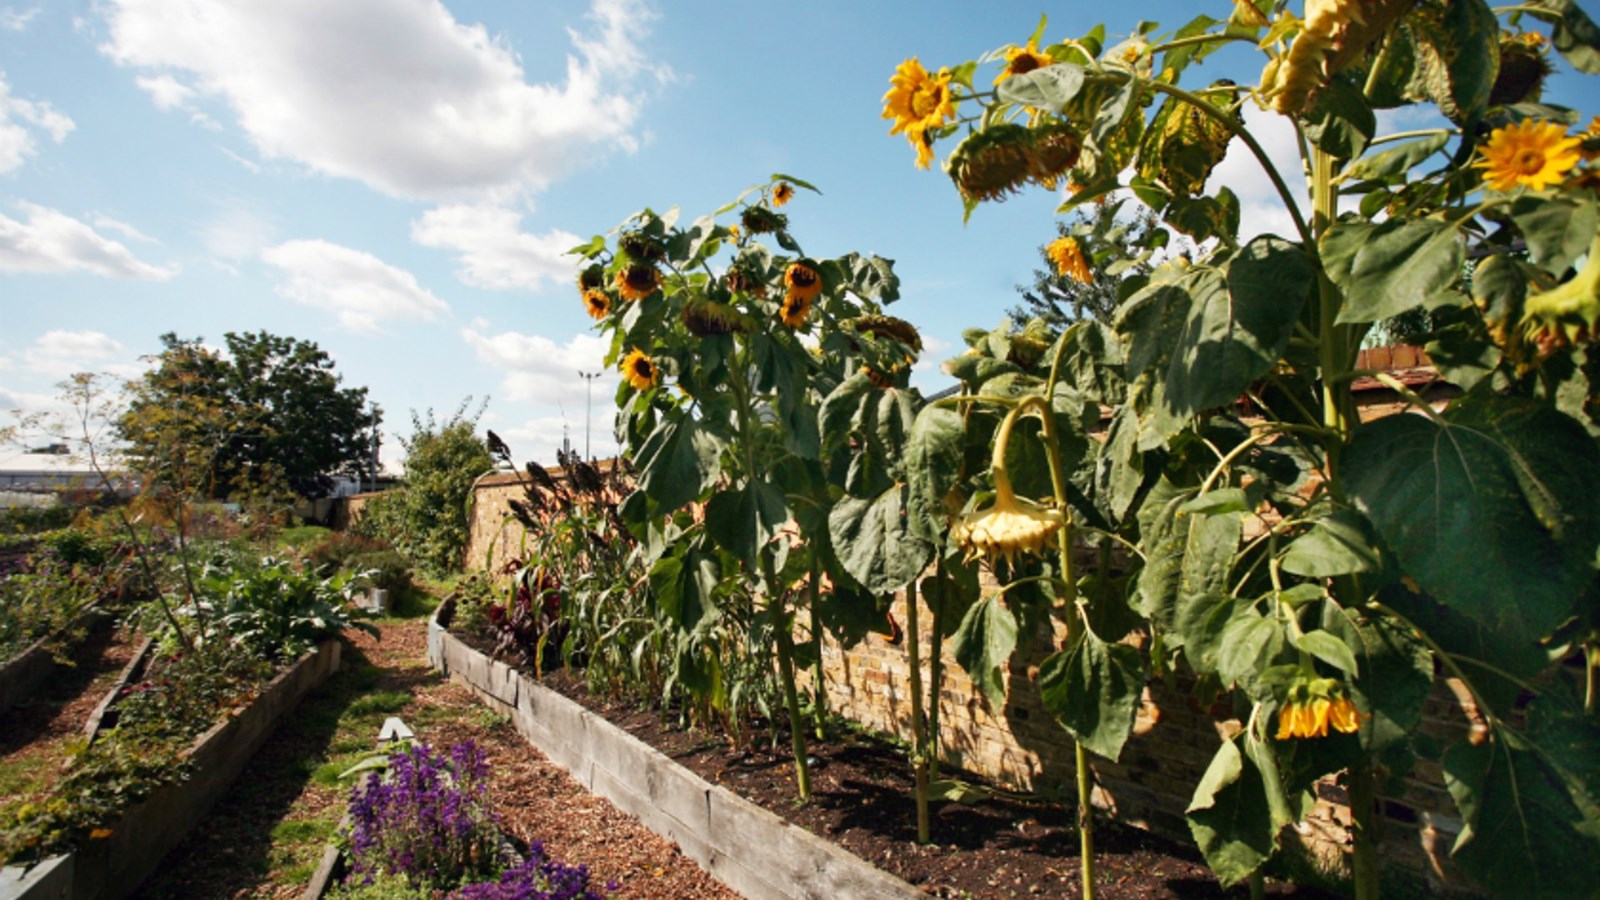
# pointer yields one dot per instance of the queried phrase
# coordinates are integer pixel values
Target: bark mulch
(266, 836)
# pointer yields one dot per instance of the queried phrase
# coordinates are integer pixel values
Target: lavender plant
(427, 819)
(538, 878)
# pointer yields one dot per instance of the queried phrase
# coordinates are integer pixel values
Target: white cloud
(59, 353)
(166, 92)
(537, 369)
(106, 223)
(51, 241)
(394, 93)
(362, 289)
(492, 251)
(14, 19)
(1261, 209)
(237, 232)
(17, 141)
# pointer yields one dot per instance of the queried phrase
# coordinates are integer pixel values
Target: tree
(268, 413)
(1118, 255)
(426, 518)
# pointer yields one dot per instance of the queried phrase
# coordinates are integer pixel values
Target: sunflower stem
(919, 736)
(1363, 802)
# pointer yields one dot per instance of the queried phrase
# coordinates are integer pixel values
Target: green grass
(386, 702)
(300, 831)
(301, 536)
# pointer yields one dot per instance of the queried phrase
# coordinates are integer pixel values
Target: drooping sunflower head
(640, 371)
(1011, 525)
(1568, 313)
(591, 276)
(1022, 60)
(801, 280)
(597, 302)
(782, 193)
(1523, 69)
(1069, 260)
(993, 163)
(894, 329)
(1312, 705)
(1590, 148)
(705, 317)
(741, 279)
(1056, 149)
(760, 220)
(795, 310)
(641, 247)
(1531, 153)
(638, 280)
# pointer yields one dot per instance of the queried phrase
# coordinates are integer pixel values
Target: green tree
(269, 413)
(426, 518)
(1118, 256)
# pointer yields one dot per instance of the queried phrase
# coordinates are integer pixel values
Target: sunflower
(1312, 706)
(782, 194)
(993, 163)
(638, 370)
(742, 280)
(1532, 153)
(802, 281)
(1022, 60)
(760, 220)
(1056, 148)
(796, 309)
(641, 247)
(1568, 312)
(705, 317)
(597, 302)
(638, 281)
(1590, 150)
(918, 103)
(1011, 524)
(1069, 260)
(592, 276)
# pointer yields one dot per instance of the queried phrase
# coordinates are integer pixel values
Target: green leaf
(1340, 123)
(934, 466)
(1329, 649)
(1522, 835)
(874, 542)
(1048, 88)
(1396, 679)
(677, 461)
(1250, 644)
(1395, 162)
(1496, 501)
(1229, 818)
(983, 646)
(745, 519)
(1387, 268)
(1237, 329)
(684, 586)
(1093, 690)
(953, 791)
(797, 182)
(1558, 230)
(1338, 543)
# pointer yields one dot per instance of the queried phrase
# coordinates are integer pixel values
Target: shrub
(334, 552)
(427, 819)
(387, 570)
(275, 611)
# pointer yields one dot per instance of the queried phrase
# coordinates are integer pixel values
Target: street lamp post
(588, 408)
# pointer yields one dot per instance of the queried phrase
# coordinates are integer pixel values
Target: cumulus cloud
(60, 352)
(19, 120)
(1261, 210)
(393, 93)
(539, 370)
(50, 242)
(361, 289)
(492, 250)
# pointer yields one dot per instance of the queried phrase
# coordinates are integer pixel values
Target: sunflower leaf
(983, 645)
(1048, 87)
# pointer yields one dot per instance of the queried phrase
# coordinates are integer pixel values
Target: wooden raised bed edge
(751, 850)
(21, 674)
(114, 866)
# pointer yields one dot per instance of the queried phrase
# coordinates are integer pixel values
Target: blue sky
(397, 180)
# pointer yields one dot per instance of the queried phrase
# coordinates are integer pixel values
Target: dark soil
(1006, 846)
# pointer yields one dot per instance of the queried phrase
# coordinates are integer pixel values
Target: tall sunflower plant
(1320, 570)
(763, 397)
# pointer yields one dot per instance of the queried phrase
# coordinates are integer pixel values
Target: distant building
(42, 476)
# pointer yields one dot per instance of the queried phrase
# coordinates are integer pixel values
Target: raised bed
(23, 673)
(116, 865)
(748, 848)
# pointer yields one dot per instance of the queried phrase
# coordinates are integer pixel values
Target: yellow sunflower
(1022, 60)
(638, 281)
(795, 310)
(918, 103)
(1532, 153)
(638, 370)
(597, 302)
(1314, 705)
(802, 281)
(1069, 259)
(782, 194)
